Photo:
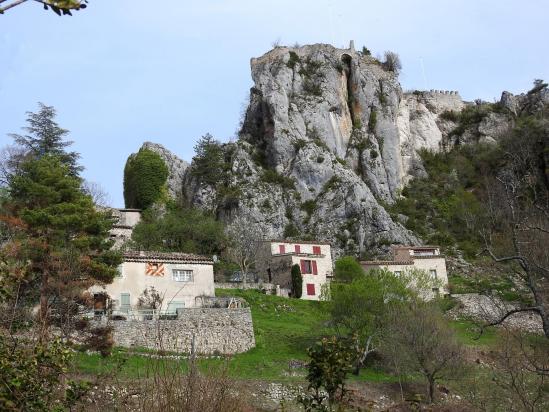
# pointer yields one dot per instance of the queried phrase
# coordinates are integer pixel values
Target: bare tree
(245, 236)
(392, 62)
(419, 340)
(517, 230)
(98, 194)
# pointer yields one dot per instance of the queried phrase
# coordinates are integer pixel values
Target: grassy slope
(283, 328)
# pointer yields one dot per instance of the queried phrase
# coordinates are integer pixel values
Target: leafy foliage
(179, 230)
(331, 362)
(347, 269)
(145, 176)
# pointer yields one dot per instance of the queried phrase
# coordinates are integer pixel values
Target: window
(311, 289)
(433, 273)
(297, 249)
(181, 275)
(398, 272)
(173, 306)
(281, 249)
(316, 250)
(120, 271)
(306, 266)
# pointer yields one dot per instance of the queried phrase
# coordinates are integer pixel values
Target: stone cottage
(405, 258)
(276, 258)
(183, 281)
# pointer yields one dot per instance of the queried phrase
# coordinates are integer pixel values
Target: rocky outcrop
(176, 167)
(329, 139)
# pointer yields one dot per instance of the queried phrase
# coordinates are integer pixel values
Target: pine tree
(45, 137)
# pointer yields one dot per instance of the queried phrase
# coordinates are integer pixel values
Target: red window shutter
(315, 270)
(311, 289)
(302, 265)
(281, 249)
(297, 249)
(316, 250)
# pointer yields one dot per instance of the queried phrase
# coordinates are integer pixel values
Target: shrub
(312, 87)
(347, 268)
(297, 282)
(450, 115)
(294, 59)
(372, 121)
(392, 62)
(331, 184)
(366, 51)
(299, 144)
(309, 206)
(291, 231)
(145, 176)
(271, 176)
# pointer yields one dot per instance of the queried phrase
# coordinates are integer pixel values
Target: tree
(62, 238)
(392, 62)
(347, 269)
(179, 230)
(59, 7)
(358, 308)
(331, 362)
(419, 340)
(297, 282)
(145, 176)
(44, 137)
(516, 232)
(244, 241)
(208, 163)
(150, 299)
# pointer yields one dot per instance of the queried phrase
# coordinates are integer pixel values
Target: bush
(372, 121)
(312, 87)
(347, 268)
(145, 176)
(392, 62)
(291, 231)
(271, 176)
(294, 59)
(309, 206)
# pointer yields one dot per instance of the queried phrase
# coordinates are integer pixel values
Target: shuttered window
(281, 249)
(315, 269)
(297, 249)
(311, 289)
(316, 250)
(306, 266)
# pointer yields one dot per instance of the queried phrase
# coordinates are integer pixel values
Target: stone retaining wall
(215, 331)
(268, 287)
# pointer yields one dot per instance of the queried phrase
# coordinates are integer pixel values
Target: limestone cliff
(328, 138)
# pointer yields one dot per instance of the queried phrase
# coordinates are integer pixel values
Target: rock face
(328, 139)
(176, 167)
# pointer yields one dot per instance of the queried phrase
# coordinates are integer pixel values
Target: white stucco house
(183, 281)
(426, 258)
(276, 258)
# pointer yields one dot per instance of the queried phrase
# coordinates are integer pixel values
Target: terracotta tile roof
(165, 257)
(387, 262)
(415, 247)
(302, 242)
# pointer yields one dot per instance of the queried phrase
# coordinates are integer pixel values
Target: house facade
(405, 258)
(276, 258)
(182, 280)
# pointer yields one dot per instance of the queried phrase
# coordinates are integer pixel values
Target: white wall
(134, 281)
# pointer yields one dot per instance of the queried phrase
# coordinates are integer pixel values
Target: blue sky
(123, 72)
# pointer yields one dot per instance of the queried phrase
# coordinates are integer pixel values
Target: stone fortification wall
(215, 331)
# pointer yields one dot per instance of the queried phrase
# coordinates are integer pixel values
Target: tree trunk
(44, 307)
(431, 389)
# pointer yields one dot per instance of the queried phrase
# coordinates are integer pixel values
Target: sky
(123, 72)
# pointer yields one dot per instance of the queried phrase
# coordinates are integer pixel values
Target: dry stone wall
(215, 331)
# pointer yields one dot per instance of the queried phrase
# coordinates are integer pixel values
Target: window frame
(178, 272)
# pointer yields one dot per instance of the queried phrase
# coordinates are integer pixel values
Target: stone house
(182, 280)
(405, 258)
(276, 258)
(125, 221)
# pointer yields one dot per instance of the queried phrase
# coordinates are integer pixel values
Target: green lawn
(468, 333)
(284, 329)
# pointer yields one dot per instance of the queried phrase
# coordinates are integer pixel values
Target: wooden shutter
(297, 249)
(316, 250)
(302, 265)
(281, 249)
(311, 289)
(315, 270)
